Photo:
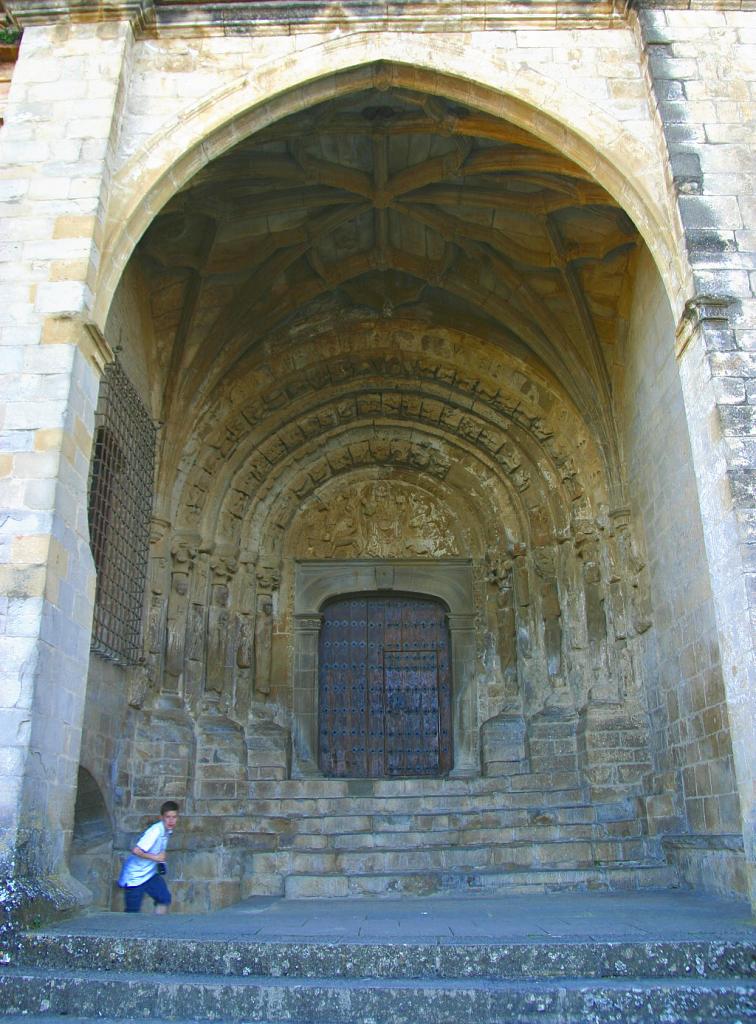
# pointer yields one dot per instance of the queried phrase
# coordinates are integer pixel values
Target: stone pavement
(625, 916)
(598, 958)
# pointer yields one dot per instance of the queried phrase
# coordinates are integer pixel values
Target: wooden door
(384, 703)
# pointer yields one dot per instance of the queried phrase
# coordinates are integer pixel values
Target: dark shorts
(154, 887)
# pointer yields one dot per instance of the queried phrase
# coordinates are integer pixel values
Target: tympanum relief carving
(378, 519)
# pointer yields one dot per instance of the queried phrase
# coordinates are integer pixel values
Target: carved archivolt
(266, 419)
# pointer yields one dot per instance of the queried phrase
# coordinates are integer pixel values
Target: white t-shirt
(136, 870)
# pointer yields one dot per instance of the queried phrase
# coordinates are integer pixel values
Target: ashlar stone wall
(54, 177)
(702, 66)
(696, 786)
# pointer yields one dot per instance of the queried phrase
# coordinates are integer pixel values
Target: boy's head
(169, 814)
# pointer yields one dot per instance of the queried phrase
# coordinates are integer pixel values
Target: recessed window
(120, 507)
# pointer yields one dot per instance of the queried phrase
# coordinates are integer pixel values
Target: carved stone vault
(394, 322)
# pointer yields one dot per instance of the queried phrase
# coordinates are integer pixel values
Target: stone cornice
(25, 13)
(690, 5)
(235, 16)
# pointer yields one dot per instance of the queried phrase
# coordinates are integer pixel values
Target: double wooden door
(384, 703)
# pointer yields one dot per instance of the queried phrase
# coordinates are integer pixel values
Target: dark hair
(169, 805)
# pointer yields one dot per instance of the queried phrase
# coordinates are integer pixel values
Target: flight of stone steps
(76, 977)
(529, 832)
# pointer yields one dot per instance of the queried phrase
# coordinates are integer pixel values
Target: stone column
(57, 147)
(305, 696)
(464, 697)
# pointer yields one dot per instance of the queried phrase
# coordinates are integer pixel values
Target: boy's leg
(156, 888)
(132, 898)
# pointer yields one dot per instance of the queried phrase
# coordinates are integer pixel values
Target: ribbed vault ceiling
(390, 203)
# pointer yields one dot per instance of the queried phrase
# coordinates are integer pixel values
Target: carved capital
(184, 548)
(461, 623)
(619, 519)
(159, 537)
(308, 623)
(499, 572)
(223, 568)
(545, 562)
(267, 579)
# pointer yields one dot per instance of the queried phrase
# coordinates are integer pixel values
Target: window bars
(120, 507)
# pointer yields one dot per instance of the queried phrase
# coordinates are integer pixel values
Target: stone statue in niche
(195, 650)
(195, 633)
(245, 644)
(219, 623)
(502, 737)
(557, 698)
(176, 632)
(635, 572)
(245, 629)
(267, 582)
(183, 553)
(501, 583)
(602, 687)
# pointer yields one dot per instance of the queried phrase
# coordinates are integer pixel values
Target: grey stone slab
(381, 1001)
(660, 915)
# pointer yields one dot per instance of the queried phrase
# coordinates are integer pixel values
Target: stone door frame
(447, 580)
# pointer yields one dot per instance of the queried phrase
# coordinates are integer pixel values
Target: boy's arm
(146, 841)
(157, 857)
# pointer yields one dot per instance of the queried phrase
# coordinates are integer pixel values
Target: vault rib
(188, 313)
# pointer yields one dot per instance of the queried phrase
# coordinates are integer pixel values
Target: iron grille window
(120, 507)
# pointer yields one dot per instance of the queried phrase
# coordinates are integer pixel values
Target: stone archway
(405, 293)
(449, 581)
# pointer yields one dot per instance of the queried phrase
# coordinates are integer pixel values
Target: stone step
(559, 852)
(517, 878)
(468, 856)
(314, 825)
(457, 838)
(374, 832)
(441, 803)
(234, 956)
(122, 995)
(318, 788)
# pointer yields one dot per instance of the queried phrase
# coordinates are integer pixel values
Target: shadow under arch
(91, 854)
(618, 160)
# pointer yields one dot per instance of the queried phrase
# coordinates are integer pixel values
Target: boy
(144, 868)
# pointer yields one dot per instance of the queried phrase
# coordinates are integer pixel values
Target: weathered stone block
(503, 741)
